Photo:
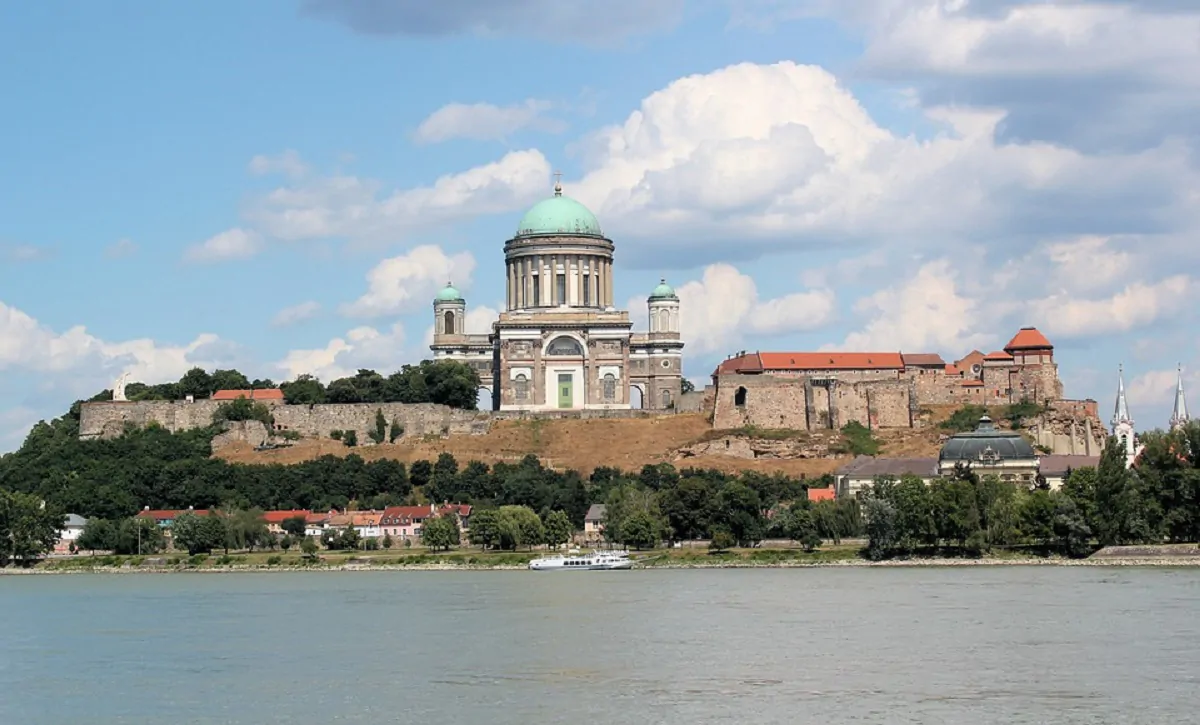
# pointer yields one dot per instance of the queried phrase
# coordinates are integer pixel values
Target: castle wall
(804, 404)
(108, 419)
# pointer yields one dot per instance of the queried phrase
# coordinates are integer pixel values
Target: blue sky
(282, 185)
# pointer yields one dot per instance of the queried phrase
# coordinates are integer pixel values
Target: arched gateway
(560, 344)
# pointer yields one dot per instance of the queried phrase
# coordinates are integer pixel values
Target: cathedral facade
(560, 343)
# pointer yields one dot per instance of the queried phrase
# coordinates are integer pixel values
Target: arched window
(521, 386)
(564, 346)
(664, 321)
(739, 398)
(449, 322)
(610, 387)
(666, 399)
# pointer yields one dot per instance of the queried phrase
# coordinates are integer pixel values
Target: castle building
(560, 343)
(826, 390)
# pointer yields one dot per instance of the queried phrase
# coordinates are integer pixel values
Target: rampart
(812, 403)
(108, 419)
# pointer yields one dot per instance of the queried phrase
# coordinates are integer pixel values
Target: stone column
(512, 288)
(608, 280)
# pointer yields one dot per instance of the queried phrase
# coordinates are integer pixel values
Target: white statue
(119, 388)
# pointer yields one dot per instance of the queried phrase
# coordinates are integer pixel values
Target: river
(938, 645)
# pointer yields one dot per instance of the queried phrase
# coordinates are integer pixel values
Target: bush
(395, 432)
(350, 438)
(275, 560)
(964, 419)
(197, 559)
(337, 434)
(722, 540)
(240, 409)
(857, 440)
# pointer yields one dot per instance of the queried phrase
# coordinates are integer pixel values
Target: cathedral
(560, 343)
(1122, 421)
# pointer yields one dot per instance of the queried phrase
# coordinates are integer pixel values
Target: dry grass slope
(581, 445)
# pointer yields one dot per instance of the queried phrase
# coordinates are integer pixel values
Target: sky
(282, 186)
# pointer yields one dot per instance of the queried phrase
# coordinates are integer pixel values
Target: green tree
(441, 532)
(379, 433)
(28, 528)
(882, 535)
(285, 542)
(687, 386)
(98, 535)
(558, 528)
(395, 431)
(198, 534)
(304, 390)
(197, 383)
(294, 525)
(241, 409)
(803, 529)
(230, 380)
(519, 526)
(350, 438)
(485, 528)
(740, 511)
(722, 540)
(308, 548)
(641, 530)
(388, 542)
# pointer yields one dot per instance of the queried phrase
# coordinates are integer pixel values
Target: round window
(666, 363)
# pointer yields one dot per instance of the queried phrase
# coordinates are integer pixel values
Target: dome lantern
(448, 294)
(663, 291)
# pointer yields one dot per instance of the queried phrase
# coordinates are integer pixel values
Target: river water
(840, 645)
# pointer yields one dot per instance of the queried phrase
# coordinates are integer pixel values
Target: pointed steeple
(1121, 413)
(1179, 416)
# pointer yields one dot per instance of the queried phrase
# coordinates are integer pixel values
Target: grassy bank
(473, 559)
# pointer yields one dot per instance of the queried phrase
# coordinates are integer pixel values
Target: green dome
(558, 215)
(448, 294)
(987, 444)
(663, 291)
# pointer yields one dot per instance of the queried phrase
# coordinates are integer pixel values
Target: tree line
(1155, 501)
(445, 382)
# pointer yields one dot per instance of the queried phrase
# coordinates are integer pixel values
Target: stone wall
(808, 404)
(107, 419)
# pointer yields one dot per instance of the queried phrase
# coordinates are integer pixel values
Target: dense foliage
(445, 381)
(28, 528)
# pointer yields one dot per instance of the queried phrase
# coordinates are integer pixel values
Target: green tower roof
(663, 291)
(558, 215)
(448, 294)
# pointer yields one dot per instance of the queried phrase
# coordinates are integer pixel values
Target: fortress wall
(107, 419)
(770, 402)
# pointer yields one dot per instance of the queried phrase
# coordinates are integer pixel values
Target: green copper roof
(449, 294)
(663, 291)
(558, 215)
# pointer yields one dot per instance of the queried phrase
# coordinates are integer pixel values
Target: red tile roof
(953, 370)
(923, 359)
(972, 383)
(831, 360)
(1028, 338)
(278, 517)
(260, 394)
(395, 514)
(744, 363)
(998, 355)
(821, 494)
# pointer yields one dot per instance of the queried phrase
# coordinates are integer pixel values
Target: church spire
(1121, 413)
(1179, 416)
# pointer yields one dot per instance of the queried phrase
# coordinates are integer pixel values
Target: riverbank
(470, 560)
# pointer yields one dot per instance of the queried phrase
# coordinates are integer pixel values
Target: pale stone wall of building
(802, 404)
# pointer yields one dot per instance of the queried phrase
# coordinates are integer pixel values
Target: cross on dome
(558, 183)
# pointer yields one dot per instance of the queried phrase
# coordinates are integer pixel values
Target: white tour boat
(597, 560)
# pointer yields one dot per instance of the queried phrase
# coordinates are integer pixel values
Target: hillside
(584, 445)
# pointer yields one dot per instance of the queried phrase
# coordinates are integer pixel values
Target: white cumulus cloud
(296, 314)
(361, 347)
(486, 121)
(405, 283)
(232, 244)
